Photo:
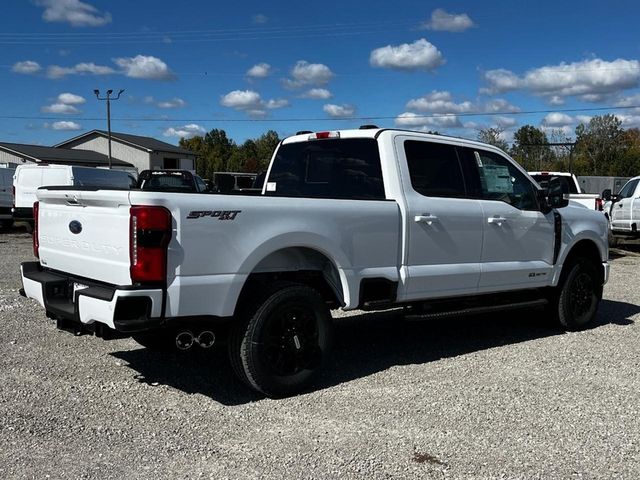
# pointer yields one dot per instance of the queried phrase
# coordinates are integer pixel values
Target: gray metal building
(14, 154)
(144, 153)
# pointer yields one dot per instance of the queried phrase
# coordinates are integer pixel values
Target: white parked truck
(570, 182)
(370, 218)
(623, 210)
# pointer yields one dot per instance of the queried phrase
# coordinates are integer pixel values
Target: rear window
(563, 180)
(99, 177)
(169, 181)
(331, 168)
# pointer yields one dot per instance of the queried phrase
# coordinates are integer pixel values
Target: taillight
(599, 204)
(36, 241)
(150, 232)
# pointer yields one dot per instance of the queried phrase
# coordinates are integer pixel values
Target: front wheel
(576, 302)
(281, 344)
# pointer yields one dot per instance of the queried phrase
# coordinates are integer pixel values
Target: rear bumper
(125, 309)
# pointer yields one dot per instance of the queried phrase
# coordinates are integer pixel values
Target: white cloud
(251, 102)
(60, 108)
(339, 111)
(279, 103)
(419, 55)
(73, 12)
(63, 125)
(410, 119)
(497, 105)
(448, 22)
(556, 100)
(144, 66)
(442, 102)
(591, 80)
(305, 73)
(71, 99)
(56, 71)
(186, 131)
(629, 121)
(65, 104)
(261, 70)
(259, 19)
(241, 99)
(505, 122)
(631, 101)
(28, 67)
(439, 102)
(173, 103)
(557, 119)
(317, 94)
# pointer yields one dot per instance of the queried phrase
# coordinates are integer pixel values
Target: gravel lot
(477, 398)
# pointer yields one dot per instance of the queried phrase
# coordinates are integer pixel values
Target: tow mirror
(557, 193)
(606, 195)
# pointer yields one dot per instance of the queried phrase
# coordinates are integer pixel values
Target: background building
(144, 153)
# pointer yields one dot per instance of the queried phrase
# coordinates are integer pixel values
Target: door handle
(428, 219)
(497, 220)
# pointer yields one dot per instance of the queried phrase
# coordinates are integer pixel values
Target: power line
(319, 119)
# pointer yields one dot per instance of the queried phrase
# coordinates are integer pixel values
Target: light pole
(108, 98)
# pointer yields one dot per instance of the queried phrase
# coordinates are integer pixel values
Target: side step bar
(477, 310)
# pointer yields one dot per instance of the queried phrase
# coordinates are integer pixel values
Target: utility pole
(108, 98)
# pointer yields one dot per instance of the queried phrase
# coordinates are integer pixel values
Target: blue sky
(247, 66)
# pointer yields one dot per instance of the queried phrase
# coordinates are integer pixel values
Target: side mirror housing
(606, 195)
(557, 194)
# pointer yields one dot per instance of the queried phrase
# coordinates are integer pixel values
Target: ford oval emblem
(75, 227)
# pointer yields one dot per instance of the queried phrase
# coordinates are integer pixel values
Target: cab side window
(500, 180)
(628, 189)
(434, 169)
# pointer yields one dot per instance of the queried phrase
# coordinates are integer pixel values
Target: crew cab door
(442, 227)
(518, 239)
(622, 211)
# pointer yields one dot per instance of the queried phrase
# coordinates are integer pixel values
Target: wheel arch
(308, 265)
(584, 248)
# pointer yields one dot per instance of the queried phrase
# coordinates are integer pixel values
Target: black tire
(280, 346)
(613, 241)
(6, 224)
(575, 302)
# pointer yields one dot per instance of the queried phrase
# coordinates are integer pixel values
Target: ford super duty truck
(369, 218)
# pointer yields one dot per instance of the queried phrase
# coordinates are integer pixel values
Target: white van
(6, 196)
(28, 178)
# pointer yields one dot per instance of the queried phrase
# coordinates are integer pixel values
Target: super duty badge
(219, 214)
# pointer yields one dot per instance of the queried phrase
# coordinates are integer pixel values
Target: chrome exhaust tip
(206, 339)
(185, 340)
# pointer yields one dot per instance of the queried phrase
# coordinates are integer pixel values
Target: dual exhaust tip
(185, 339)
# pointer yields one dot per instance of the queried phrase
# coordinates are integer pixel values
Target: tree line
(216, 152)
(601, 148)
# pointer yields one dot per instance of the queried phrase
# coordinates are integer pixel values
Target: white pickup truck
(369, 218)
(570, 182)
(623, 211)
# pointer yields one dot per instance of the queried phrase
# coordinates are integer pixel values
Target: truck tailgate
(85, 233)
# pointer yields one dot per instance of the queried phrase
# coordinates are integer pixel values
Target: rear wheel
(6, 224)
(281, 345)
(575, 303)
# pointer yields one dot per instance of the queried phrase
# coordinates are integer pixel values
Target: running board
(478, 310)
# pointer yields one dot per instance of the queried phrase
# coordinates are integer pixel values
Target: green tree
(265, 146)
(600, 143)
(530, 148)
(493, 136)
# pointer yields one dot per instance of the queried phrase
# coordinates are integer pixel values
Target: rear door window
(567, 182)
(434, 169)
(328, 168)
